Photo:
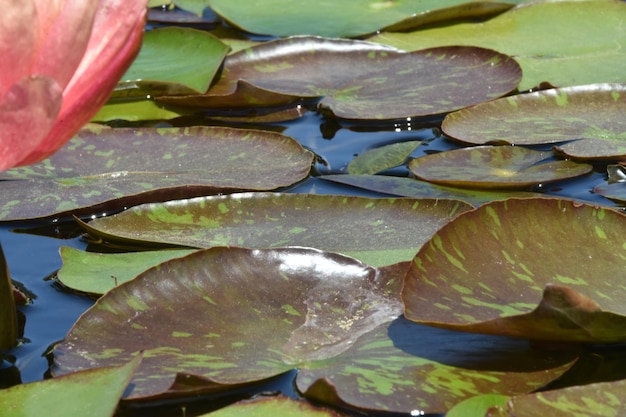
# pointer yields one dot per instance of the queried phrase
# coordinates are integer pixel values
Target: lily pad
(276, 406)
(241, 315)
(361, 80)
(244, 315)
(97, 273)
(93, 392)
(494, 167)
(109, 169)
(356, 18)
(590, 47)
(380, 159)
(590, 116)
(477, 406)
(376, 231)
(409, 187)
(615, 191)
(543, 269)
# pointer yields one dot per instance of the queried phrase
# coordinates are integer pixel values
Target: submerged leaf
(494, 167)
(380, 159)
(542, 269)
(376, 231)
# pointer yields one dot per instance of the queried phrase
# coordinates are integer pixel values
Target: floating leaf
(108, 169)
(240, 315)
(592, 112)
(361, 80)
(274, 406)
(8, 316)
(97, 273)
(590, 48)
(409, 187)
(494, 167)
(380, 159)
(93, 392)
(376, 231)
(357, 17)
(542, 269)
(477, 406)
(593, 400)
(134, 110)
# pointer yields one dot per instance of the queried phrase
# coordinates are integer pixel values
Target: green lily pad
(593, 400)
(376, 231)
(244, 315)
(355, 18)
(361, 80)
(543, 269)
(477, 406)
(494, 167)
(590, 116)
(8, 316)
(172, 61)
(108, 169)
(409, 187)
(97, 273)
(590, 48)
(274, 406)
(380, 159)
(93, 392)
(133, 111)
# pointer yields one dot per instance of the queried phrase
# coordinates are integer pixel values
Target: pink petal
(27, 112)
(18, 25)
(114, 44)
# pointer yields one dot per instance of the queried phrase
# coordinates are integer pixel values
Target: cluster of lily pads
(225, 280)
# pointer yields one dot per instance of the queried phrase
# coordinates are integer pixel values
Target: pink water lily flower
(59, 62)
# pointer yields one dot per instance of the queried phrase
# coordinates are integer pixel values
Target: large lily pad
(361, 80)
(494, 167)
(534, 268)
(93, 392)
(108, 169)
(590, 116)
(355, 18)
(231, 316)
(376, 231)
(590, 47)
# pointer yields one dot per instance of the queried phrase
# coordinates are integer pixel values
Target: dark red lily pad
(109, 169)
(494, 167)
(361, 80)
(376, 231)
(590, 116)
(534, 268)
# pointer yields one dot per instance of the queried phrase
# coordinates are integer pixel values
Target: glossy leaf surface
(98, 170)
(376, 231)
(357, 17)
(93, 392)
(494, 167)
(533, 268)
(589, 49)
(589, 116)
(360, 80)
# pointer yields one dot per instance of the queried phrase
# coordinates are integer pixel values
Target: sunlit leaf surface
(590, 48)
(274, 406)
(477, 406)
(589, 116)
(376, 231)
(534, 268)
(361, 80)
(108, 169)
(494, 167)
(93, 392)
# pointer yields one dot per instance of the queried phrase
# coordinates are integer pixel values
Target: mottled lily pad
(245, 315)
(409, 187)
(590, 47)
(380, 159)
(494, 167)
(109, 169)
(376, 231)
(590, 116)
(97, 273)
(92, 392)
(355, 18)
(593, 400)
(275, 406)
(361, 80)
(542, 269)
